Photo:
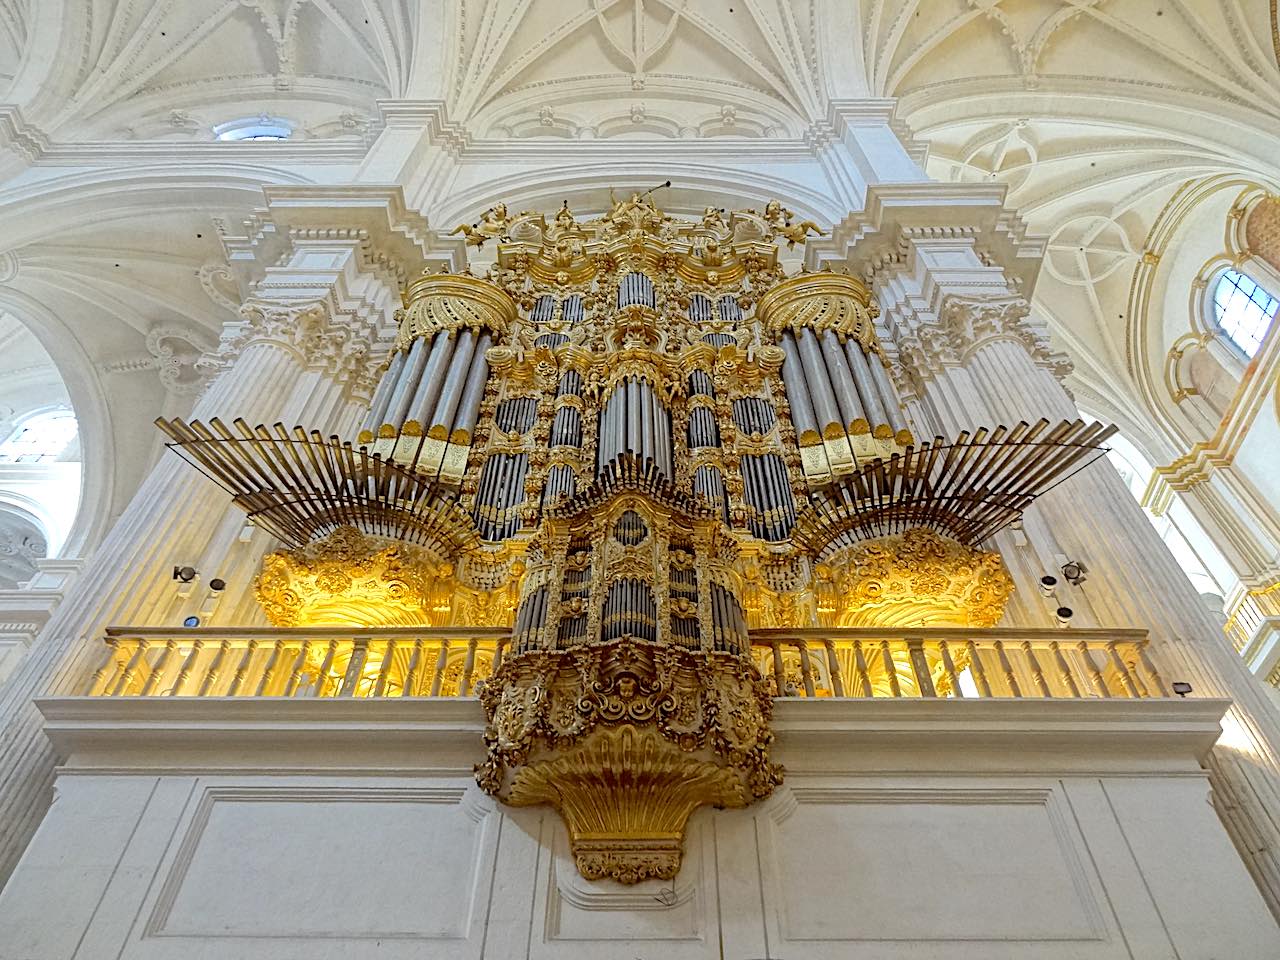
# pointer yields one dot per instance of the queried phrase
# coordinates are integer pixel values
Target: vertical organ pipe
(382, 398)
(454, 378)
(866, 386)
(838, 367)
(633, 416)
(647, 415)
(815, 374)
(398, 409)
(473, 394)
(424, 397)
(887, 394)
(802, 415)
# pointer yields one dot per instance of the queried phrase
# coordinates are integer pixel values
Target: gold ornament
(627, 739)
(353, 578)
(918, 578)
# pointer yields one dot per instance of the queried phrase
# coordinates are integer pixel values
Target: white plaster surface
(308, 830)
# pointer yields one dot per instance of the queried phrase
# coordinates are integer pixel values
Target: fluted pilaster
(285, 361)
(997, 371)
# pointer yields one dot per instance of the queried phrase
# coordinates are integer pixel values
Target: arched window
(1244, 310)
(261, 127)
(39, 438)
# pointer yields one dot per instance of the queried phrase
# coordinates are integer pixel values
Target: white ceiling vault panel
(1092, 113)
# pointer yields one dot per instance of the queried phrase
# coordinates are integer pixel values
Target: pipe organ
(633, 440)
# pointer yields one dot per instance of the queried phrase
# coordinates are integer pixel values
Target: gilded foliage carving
(627, 738)
(917, 578)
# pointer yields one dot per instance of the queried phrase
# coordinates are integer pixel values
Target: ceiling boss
(633, 440)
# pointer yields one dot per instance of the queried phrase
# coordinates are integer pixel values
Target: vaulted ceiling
(1092, 112)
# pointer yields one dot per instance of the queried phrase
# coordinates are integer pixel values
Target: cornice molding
(390, 736)
(896, 213)
(36, 147)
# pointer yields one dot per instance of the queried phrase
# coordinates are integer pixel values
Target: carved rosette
(627, 739)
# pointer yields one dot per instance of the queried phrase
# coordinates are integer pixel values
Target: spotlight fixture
(1074, 571)
(217, 584)
(185, 574)
(191, 622)
(1181, 687)
(1047, 585)
(1064, 615)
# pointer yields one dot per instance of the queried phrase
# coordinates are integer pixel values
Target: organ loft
(624, 443)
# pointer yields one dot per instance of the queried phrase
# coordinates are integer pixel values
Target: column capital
(338, 342)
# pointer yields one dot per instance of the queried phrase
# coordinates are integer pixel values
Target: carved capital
(318, 336)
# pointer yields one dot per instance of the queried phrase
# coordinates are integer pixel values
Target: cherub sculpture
(564, 221)
(712, 220)
(779, 218)
(494, 225)
(634, 214)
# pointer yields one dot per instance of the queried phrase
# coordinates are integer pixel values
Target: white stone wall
(216, 830)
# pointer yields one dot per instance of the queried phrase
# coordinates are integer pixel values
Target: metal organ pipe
(887, 393)
(802, 415)
(866, 386)
(382, 397)
(473, 393)
(454, 380)
(398, 409)
(647, 416)
(838, 367)
(815, 374)
(431, 379)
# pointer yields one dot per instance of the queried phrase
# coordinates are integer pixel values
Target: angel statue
(712, 220)
(564, 221)
(634, 214)
(779, 217)
(494, 224)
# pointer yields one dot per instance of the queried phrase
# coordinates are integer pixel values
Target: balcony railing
(448, 662)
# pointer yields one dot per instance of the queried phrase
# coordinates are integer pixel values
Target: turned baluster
(269, 669)
(833, 669)
(112, 665)
(779, 672)
(188, 665)
(214, 672)
(157, 672)
(949, 666)
(442, 661)
(326, 665)
(411, 673)
(1064, 669)
(806, 669)
(388, 656)
(978, 671)
(1122, 668)
(355, 667)
(920, 667)
(890, 668)
(242, 667)
(1007, 669)
(1094, 673)
(295, 671)
(1037, 672)
(131, 669)
(468, 668)
(860, 668)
